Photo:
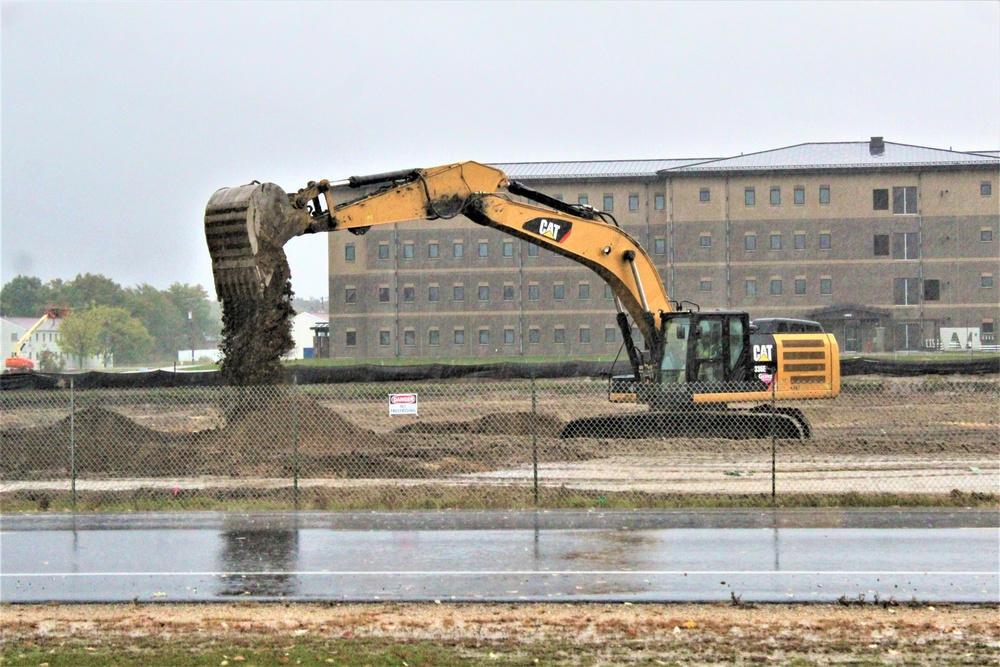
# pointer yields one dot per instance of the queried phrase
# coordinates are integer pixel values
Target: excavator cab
(704, 348)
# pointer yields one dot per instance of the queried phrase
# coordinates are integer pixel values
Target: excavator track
(731, 424)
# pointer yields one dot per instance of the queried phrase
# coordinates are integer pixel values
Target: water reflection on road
(638, 556)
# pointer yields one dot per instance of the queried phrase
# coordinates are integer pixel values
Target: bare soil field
(906, 437)
(506, 634)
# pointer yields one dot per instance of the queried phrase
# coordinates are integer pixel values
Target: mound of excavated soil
(501, 423)
(273, 424)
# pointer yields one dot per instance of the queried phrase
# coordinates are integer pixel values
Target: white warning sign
(402, 404)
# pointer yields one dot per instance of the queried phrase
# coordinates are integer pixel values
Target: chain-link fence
(492, 444)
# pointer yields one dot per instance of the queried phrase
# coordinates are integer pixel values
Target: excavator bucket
(246, 228)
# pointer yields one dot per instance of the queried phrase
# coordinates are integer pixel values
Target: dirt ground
(852, 633)
(908, 437)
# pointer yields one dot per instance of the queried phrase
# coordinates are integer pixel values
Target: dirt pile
(501, 423)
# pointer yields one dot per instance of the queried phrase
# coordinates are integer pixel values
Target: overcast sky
(119, 120)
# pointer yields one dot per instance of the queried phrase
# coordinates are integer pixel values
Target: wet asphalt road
(643, 556)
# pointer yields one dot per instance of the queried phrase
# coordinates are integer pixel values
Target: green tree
(160, 316)
(24, 296)
(111, 333)
(89, 290)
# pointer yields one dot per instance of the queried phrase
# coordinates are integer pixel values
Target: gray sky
(119, 120)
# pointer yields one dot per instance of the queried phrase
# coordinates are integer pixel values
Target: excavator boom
(247, 226)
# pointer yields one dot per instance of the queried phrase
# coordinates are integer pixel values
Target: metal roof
(592, 169)
(834, 155)
(856, 154)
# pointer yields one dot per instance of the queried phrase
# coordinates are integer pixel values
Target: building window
(534, 336)
(705, 241)
(433, 337)
(609, 203)
(508, 292)
(749, 197)
(880, 199)
(408, 250)
(824, 194)
(584, 334)
(775, 196)
(384, 338)
(775, 241)
(986, 235)
(558, 291)
(986, 188)
(932, 290)
(351, 338)
(383, 251)
(800, 285)
(508, 336)
(904, 245)
(750, 242)
(633, 202)
(824, 241)
(659, 202)
(484, 249)
(484, 293)
(904, 200)
(532, 250)
(609, 335)
(987, 280)
(351, 295)
(433, 250)
(584, 291)
(409, 337)
(383, 294)
(800, 241)
(409, 293)
(458, 249)
(459, 337)
(800, 195)
(484, 336)
(533, 292)
(881, 245)
(704, 194)
(559, 335)
(751, 286)
(583, 200)
(659, 246)
(350, 252)
(706, 285)
(776, 286)
(458, 294)
(433, 293)
(826, 286)
(508, 248)
(904, 291)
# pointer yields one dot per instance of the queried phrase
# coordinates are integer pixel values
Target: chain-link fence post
(295, 442)
(534, 433)
(774, 437)
(72, 446)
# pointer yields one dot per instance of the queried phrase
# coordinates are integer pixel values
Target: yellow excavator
(696, 362)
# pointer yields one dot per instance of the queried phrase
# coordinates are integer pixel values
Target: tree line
(129, 325)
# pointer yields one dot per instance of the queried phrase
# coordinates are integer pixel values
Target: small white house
(302, 333)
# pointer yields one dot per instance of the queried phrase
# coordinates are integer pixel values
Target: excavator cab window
(673, 368)
(710, 354)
